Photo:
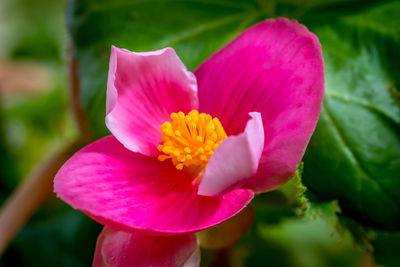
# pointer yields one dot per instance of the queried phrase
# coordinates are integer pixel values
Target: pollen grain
(190, 140)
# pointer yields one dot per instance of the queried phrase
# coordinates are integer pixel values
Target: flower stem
(74, 93)
(29, 195)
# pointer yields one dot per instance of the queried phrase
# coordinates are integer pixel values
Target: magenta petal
(121, 249)
(143, 89)
(235, 160)
(275, 68)
(132, 192)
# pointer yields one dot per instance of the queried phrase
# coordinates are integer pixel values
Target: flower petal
(135, 193)
(235, 160)
(194, 259)
(275, 68)
(143, 89)
(121, 249)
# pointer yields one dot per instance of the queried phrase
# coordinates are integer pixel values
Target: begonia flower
(189, 150)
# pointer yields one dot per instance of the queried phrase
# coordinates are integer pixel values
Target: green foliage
(386, 248)
(34, 29)
(34, 123)
(149, 25)
(288, 199)
(8, 170)
(97, 25)
(56, 236)
(33, 126)
(326, 210)
(311, 242)
(280, 237)
(355, 151)
(354, 154)
(352, 162)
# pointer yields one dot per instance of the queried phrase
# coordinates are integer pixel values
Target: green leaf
(27, 33)
(326, 210)
(145, 26)
(312, 241)
(195, 29)
(56, 235)
(294, 192)
(360, 234)
(386, 248)
(290, 196)
(354, 155)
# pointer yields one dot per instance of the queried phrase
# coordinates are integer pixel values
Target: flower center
(190, 140)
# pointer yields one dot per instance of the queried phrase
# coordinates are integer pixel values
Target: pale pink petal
(275, 68)
(135, 193)
(143, 89)
(98, 257)
(121, 249)
(235, 160)
(194, 259)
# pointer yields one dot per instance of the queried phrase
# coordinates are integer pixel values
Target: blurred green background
(351, 167)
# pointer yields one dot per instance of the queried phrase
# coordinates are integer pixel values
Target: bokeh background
(350, 213)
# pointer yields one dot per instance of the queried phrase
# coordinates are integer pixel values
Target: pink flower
(167, 170)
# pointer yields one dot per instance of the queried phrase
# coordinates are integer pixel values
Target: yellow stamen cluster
(190, 140)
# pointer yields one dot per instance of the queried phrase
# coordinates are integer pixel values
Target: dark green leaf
(354, 155)
(55, 236)
(386, 246)
(310, 241)
(149, 25)
(194, 28)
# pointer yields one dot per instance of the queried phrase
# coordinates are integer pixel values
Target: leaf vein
(204, 27)
(366, 175)
(364, 104)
